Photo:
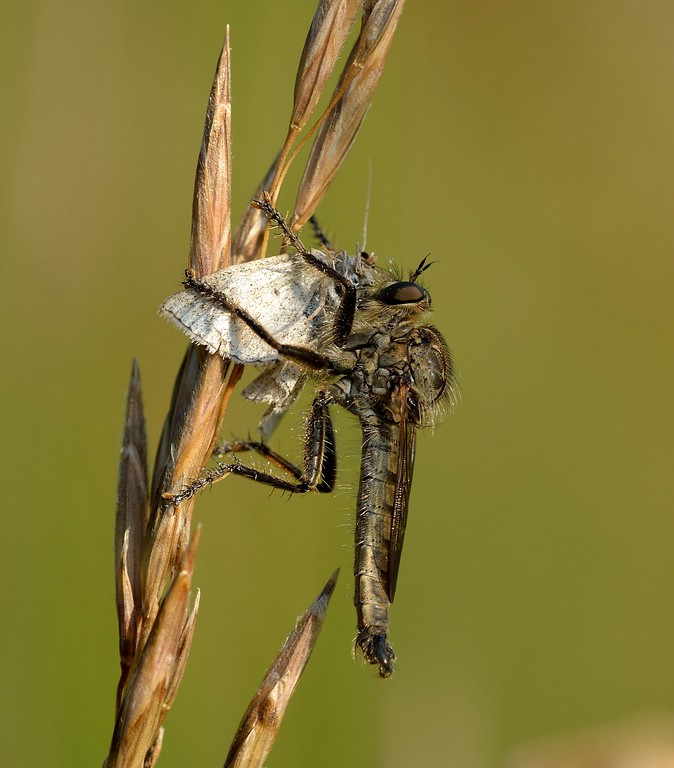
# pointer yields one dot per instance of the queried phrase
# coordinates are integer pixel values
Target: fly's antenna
(420, 269)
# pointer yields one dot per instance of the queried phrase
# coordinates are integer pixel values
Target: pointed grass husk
(211, 221)
(351, 100)
(130, 524)
(261, 723)
(154, 553)
(157, 672)
(379, 21)
(328, 31)
(200, 390)
(327, 34)
(339, 123)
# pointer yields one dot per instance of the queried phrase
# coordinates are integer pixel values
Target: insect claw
(377, 650)
(167, 501)
(189, 277)
(176, 499)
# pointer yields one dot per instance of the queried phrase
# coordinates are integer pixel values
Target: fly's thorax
(400, 374)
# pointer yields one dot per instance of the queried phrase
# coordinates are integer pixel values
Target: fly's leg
(320, 235)
(255, 446)
(347, 308)
(320, 461)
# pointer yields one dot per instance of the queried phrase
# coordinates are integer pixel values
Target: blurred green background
(528, 147)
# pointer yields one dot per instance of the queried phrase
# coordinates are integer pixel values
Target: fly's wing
(401, 498)
(285, 296)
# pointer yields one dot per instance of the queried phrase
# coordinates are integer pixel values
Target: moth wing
(288, 299)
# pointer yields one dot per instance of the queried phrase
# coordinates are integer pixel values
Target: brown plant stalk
(154, 549)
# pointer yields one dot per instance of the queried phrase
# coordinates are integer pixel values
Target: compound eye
(403, 293)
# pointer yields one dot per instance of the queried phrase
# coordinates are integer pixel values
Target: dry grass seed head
(154, 554)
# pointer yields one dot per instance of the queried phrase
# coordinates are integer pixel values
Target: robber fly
(362, 334)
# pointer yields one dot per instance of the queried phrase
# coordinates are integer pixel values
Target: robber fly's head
(407, 292)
